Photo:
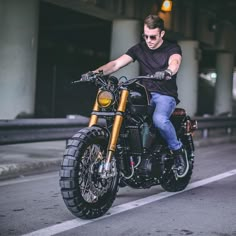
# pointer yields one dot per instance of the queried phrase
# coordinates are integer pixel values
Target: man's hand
(161, 75)
(86, 76)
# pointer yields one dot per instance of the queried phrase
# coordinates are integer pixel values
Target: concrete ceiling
(222, 9)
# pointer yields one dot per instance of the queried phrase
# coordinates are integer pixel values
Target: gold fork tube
(117, 124)
(115, 132)
(93, 117)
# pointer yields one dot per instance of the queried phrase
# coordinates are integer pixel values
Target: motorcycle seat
(179, 112)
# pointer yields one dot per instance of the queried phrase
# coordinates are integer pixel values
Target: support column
(224, 83)
(125, 34)
(187, 79)
(18, 52)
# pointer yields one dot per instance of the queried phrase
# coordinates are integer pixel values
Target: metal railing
(214, 123)
(35, 130)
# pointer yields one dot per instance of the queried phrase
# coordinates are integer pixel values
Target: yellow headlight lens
(105, 99)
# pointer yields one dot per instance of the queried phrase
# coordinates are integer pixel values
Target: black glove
(161, 75)
(87, 76)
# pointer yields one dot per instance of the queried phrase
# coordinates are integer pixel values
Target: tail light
(191, 126)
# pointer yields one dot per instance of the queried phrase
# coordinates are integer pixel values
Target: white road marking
(71, 224)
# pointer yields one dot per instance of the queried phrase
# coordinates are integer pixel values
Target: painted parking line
(71, 224)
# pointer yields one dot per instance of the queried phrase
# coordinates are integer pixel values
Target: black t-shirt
(155, 60)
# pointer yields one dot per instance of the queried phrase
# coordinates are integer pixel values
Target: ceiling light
(166, 5)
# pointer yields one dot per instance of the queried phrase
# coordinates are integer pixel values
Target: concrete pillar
(224, 83)
(18, 50)
(187, 80)
(125, 34)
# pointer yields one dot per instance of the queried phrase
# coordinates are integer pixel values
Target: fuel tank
(139, 99)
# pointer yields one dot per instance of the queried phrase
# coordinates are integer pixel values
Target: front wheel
(86, 194)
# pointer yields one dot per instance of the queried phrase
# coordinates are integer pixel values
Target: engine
(147, 170)
(150, 166)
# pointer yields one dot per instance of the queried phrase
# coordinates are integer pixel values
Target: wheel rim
(92, 186)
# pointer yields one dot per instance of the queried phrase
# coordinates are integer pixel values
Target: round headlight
(105, 98)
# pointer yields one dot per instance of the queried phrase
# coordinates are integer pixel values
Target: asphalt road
(33, 205)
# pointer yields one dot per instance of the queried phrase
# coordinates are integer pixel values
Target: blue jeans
(164, 107)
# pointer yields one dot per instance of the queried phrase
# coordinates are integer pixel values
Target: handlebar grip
(86, 77)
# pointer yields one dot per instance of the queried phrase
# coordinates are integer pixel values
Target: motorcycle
(127, 151)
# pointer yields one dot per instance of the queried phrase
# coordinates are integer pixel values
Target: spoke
(88, 159)
(94, 152)
(92, 187)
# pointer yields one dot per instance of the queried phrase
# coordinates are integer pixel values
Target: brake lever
(90, 77)
(84, 78)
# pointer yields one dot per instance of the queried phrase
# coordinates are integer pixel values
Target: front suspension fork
(115, 129)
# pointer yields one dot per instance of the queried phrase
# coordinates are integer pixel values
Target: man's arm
(174, 63)
(173, 67)
(115, 65)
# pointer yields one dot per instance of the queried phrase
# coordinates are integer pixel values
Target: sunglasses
(152, 37)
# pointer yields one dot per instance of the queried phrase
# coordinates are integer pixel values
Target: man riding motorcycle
(160, 59)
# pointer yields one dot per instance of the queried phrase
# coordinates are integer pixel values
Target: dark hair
(153, 22)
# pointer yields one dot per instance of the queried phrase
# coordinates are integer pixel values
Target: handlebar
(96, 77)
(138, 78)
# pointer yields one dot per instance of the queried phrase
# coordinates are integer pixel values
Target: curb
(8, 171)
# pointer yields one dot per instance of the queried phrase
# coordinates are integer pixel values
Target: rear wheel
(84, 192)
(170, 182)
